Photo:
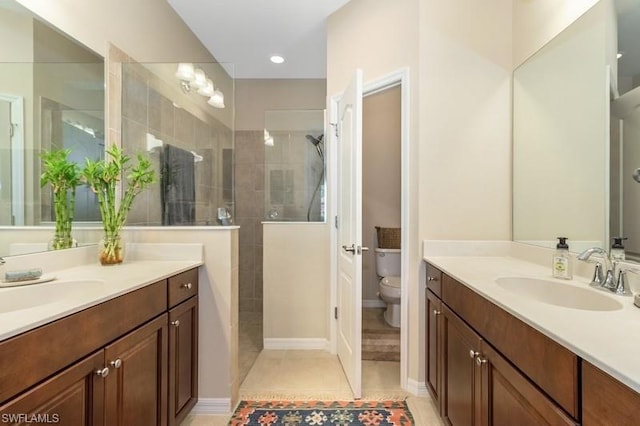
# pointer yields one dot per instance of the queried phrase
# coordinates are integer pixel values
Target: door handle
(351, 249)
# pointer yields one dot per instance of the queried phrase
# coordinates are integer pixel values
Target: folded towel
(25, 275)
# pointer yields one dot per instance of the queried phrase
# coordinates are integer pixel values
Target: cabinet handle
(117, 363)
(481, 361)
(432, 279)
(473, 354)
(186, 286)
(175, 323)
(103, 372)
(436, 312)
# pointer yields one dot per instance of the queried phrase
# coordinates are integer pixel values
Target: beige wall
(380, 177)
(536, 22)
(254, 97)
(296, 281)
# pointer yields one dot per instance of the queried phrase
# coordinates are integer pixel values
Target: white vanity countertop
(609, 340)
(117, 280)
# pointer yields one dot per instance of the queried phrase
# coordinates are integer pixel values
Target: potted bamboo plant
(103, 177)
(63, 176)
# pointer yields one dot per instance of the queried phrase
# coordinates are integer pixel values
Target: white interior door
(349, 292)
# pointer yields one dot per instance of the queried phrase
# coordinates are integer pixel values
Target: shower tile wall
(145, 110)
(249, 189)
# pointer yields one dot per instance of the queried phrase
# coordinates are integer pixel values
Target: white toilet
(388, 269)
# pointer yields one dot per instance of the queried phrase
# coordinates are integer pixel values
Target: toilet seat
(391, 282)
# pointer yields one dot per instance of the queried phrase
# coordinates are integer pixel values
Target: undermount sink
(41, 295)
(559, 294)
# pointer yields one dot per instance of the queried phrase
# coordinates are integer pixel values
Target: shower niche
(294, 166)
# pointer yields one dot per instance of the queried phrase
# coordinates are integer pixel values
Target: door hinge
(335, 128)
(11, 130)
(335, 312)
(336, 221)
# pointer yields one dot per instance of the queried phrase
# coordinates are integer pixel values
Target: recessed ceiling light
(277, 59)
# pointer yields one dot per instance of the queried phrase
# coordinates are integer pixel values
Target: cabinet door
(136, 388)
(433, 347)
(73, 397)
(511, 399)
(461, 396)
(183, 360)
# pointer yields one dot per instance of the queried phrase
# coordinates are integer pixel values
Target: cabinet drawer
(548, 364)
(183, 286)
(28, 358)
(434, 280)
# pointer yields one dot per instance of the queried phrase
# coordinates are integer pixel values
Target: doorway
(400, 79)
(381, 220)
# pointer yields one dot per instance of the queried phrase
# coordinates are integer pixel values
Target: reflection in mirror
(560, 135)
(625, 131)
(51, 95)
(188, 145)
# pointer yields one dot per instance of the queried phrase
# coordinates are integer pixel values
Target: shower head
(315, 141)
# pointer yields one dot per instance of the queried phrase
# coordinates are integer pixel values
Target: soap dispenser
(617, 249)
(561, 264)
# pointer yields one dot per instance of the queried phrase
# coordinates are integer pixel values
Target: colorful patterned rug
(322, 413)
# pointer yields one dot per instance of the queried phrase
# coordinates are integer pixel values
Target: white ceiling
(245, 33)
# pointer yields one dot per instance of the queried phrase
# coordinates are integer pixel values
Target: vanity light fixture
(277, 59)
(268, 139)
(194, 79)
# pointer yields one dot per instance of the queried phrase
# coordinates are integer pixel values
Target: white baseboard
(301, 343)
(373, 303)
(212, 406)
(417, 388)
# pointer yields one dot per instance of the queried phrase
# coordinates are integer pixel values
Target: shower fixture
(316, 142)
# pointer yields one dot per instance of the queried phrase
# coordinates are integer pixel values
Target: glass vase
(111, 250)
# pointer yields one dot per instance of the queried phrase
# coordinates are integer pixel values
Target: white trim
(373, 303)
(212, 406)
(17, 157)
(408, 237)
(296, 343)
(417, 388)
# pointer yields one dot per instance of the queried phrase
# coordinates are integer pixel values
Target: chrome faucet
(608, 280)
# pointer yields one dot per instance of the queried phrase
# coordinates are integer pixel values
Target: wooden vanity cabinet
(183, 345)
(145, 376)
(471, 381)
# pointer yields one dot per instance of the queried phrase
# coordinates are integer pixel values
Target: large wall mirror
(51, 96)
(572, 171)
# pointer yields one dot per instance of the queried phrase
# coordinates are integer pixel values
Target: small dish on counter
(43, 279)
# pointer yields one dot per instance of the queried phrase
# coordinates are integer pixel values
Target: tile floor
(318, 375)
(269, 374)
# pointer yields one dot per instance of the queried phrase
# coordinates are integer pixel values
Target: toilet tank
(387, 262)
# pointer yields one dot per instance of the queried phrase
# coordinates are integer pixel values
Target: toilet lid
(391, 281)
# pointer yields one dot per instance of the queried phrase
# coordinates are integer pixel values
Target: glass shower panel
(294, 165)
